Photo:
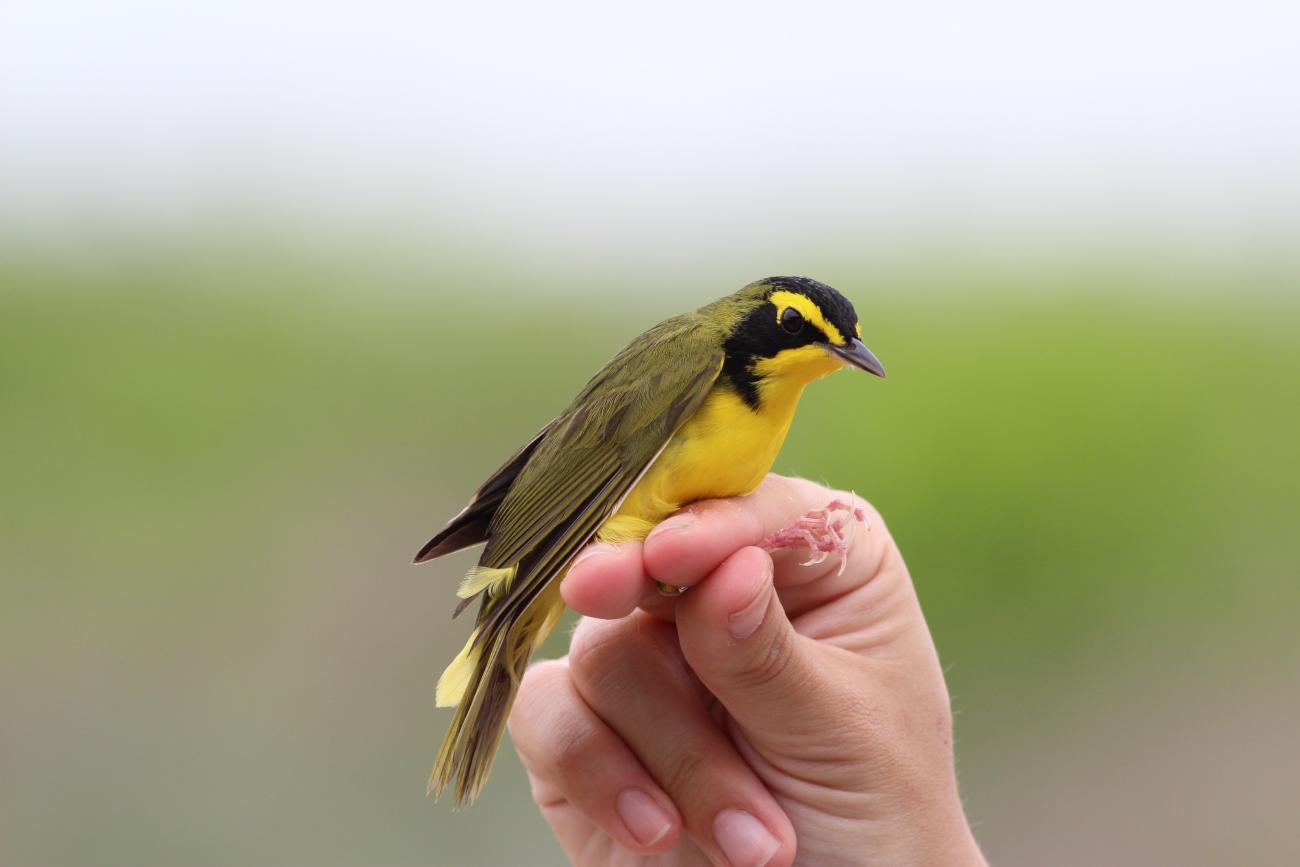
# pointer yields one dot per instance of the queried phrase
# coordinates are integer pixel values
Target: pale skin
(774, 714)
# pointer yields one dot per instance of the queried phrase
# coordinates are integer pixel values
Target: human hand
(772, 706)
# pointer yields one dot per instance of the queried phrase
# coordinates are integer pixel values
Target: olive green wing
(594, 453)
(573, 479)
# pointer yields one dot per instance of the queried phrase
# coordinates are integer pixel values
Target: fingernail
(743, 839)
(643, 816)
(743, 622)
(676, 522)
(599, 550)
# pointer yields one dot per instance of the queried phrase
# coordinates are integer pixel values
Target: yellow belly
(724, 450)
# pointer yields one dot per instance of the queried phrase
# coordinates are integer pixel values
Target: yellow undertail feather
(482, 578)
(456, 676)
(482, 681)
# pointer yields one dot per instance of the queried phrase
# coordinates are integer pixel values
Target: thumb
(735, 634)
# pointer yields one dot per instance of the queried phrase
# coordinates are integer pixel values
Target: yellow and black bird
(695, 408)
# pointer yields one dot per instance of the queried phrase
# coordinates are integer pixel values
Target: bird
(695, 408)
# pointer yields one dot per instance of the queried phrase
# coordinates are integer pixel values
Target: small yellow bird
(695, 408)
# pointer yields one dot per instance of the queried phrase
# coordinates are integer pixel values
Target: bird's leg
(822, 531)
(669, 589)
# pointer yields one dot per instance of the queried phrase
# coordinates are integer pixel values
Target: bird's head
(794, 327)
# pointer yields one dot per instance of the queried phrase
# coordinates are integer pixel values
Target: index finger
(687, 547)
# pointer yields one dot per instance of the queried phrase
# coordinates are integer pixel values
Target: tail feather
(482, 682)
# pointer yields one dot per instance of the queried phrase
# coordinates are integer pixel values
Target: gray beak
(855, 352)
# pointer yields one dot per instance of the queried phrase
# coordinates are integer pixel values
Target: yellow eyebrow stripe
(810, 311)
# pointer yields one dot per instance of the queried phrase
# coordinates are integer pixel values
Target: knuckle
(572, 749)
(541, 678)
(596, 647)
(540, 684)
(542, 674)
(772, 666)
(614, 665)
(681, 771)
(551, 730)
(607, 657)
(615, 649)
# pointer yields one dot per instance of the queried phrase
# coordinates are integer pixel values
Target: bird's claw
(823, 532)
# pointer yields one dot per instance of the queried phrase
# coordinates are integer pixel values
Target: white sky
(550, 125)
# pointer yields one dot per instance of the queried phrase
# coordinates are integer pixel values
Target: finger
(574, 758)
(609, 581)
(689, 546)
(632, 674)
(606, 581)
(737, 639)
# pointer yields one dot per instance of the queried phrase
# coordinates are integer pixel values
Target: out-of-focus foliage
(213, 651)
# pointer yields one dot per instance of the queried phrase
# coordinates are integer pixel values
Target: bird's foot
(822, 531)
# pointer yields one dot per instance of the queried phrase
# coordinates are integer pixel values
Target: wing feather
(595, 452)
(574, 479)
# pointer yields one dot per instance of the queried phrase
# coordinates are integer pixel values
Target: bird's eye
(792, 320)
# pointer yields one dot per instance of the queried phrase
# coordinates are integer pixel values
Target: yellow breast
(724, 450)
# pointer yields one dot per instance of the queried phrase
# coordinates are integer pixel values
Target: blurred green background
(280, 283)
(215, 651)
